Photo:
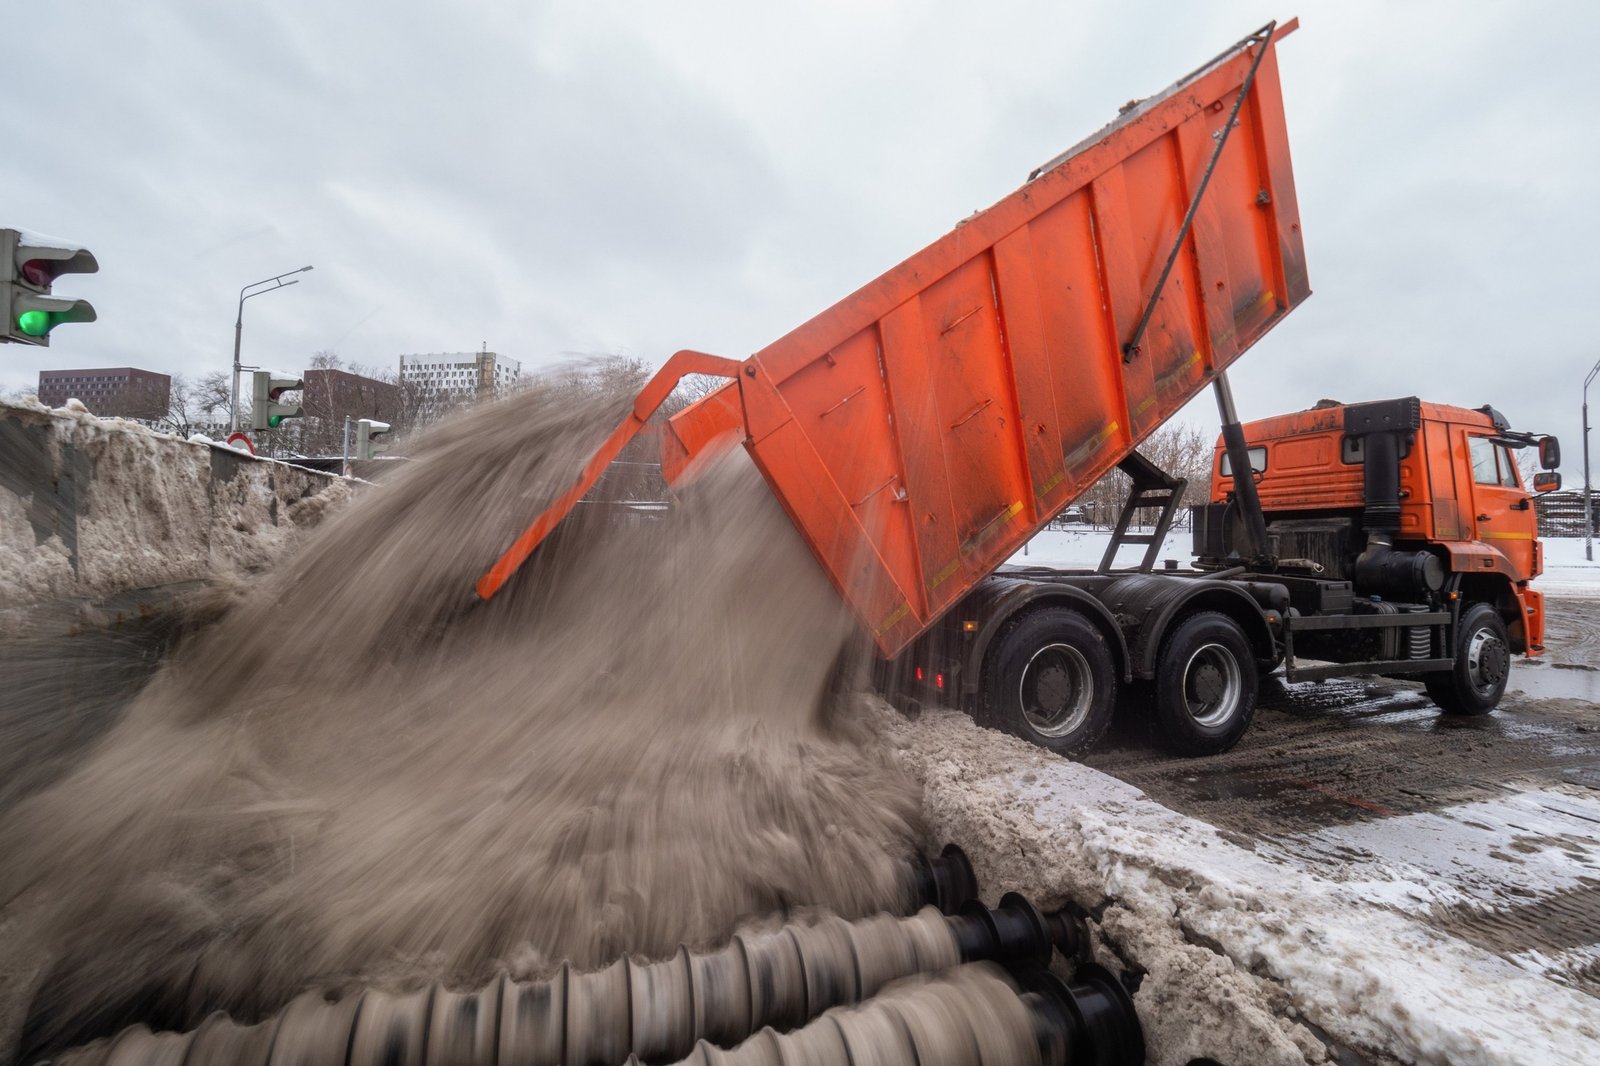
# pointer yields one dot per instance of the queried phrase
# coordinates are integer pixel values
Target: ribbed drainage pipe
(657, 1011)
(977, 1015)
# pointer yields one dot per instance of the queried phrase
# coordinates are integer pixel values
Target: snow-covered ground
(1566, 571)
(1082, 548)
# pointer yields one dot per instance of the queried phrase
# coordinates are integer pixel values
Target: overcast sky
(576, 177)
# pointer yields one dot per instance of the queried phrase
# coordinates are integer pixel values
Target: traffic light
(29, 265)
(265, 410)
(366, 429)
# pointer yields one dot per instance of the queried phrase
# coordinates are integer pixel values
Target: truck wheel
(1206, 684)
(1050, 679)
(1483, 665)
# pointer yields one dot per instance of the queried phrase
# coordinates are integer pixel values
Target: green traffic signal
(36, 322)
(29, 266)
(273, 421)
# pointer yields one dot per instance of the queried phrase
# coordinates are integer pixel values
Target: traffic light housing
(29, 266)
(366, 430)
(265, 410)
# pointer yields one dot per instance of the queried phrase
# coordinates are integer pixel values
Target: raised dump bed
(922, 429)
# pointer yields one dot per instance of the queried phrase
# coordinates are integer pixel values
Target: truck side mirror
(1550, 454)
(1546, 480)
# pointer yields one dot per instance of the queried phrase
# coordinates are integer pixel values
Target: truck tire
(1205, 685)
(1051, 679)
(1474, 685)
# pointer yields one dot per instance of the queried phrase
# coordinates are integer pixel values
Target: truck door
(1502, 512)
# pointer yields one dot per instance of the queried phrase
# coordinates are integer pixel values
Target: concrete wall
(94, 511)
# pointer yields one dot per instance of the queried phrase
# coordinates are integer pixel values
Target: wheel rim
(1212, 685)
(1056, 690)
(1488, 661)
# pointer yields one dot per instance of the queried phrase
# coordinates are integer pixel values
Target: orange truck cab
(1384, 511)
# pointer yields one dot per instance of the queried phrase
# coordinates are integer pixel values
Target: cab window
(1485, 471)
(1492, 463)
(1508, 466)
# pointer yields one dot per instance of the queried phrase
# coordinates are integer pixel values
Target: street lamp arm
(276, 281)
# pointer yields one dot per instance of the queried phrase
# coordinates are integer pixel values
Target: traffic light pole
(271, 284)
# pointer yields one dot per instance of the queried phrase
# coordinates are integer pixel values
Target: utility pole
(1588, 503)
(346, 445)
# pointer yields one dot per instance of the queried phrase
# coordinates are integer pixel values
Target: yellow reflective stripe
(894, 616)
(1506, 536)
(945, 573)
(997, 523)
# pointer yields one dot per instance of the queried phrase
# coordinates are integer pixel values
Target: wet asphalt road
(1321, 753)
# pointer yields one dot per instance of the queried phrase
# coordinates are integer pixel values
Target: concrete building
(123, 391)
(460, 375)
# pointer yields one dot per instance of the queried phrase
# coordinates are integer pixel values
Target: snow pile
(1238, 949)
(90, 508)
(1566, 571)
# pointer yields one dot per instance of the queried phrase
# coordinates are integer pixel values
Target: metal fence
(1561, 514)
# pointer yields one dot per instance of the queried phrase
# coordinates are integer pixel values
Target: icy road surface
(1283, 946)
(1483, 830)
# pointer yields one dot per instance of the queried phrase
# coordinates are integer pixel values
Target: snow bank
(1238, 948)
(90, 508)
(1566, 571)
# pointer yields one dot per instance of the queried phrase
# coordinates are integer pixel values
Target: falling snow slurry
(359, 777)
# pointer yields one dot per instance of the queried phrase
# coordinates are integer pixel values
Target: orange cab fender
(1153, 603)
(1002, 598)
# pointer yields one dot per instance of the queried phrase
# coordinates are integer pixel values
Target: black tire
(1051, 678)
(1206, 685)
(1474, 685)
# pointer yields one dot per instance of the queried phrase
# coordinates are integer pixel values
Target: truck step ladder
(1152, 487)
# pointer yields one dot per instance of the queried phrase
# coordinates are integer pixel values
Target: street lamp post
(272, 284)
(1588, 504)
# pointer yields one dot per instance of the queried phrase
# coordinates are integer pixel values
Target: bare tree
(1180, 449)
(214, 395)
(1527, 464)
(186, 408)
(691, 390)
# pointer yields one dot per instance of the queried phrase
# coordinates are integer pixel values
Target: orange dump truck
(921, 430)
